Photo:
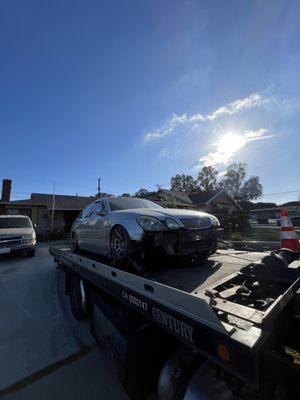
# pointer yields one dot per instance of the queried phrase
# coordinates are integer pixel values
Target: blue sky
(137, 91)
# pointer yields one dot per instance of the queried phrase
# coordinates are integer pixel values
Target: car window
(131, 203)
(15, 223)
(98, 207)
(87, 211)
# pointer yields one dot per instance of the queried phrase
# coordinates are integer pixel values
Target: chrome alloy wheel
(118, 243)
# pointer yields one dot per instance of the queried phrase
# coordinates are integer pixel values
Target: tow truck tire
(177, 373)
(78, 299)
(206, 385)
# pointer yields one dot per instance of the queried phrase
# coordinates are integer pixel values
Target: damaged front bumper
(181, 242)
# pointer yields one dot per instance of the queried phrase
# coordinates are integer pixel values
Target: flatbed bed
(193, 279)
(193, 305)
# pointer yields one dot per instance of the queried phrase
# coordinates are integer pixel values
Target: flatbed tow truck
(227, 329)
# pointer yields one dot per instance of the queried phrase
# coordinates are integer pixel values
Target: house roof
(201, 198)
(62, 202)
(188, 200)
(179, 196)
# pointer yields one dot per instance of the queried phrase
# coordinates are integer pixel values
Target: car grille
(196, 223)
(189, 247)
(10, 241)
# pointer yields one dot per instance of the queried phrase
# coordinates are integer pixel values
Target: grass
(258, 234)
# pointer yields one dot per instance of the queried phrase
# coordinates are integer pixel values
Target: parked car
(17, 235)
(278, 222)
(263, 220)
(295, 220)
(130, 230)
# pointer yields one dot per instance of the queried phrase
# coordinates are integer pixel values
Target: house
(214, 201)
(266, 213)
(39, 208)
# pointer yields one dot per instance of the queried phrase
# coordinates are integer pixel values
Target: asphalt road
(44, 352)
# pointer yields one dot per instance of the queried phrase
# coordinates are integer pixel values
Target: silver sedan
(131, 230)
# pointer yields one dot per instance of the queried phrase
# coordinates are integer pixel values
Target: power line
(286, 192)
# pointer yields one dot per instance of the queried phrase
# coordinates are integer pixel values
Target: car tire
(78, 304)
(74, 243)
(30, 253)
(120, 246)
(202, 257)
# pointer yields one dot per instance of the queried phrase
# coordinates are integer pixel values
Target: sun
(230, 143)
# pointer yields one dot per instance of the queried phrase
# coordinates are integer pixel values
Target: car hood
(164, 213)
(9, 232)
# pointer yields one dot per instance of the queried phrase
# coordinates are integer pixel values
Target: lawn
(258, 234)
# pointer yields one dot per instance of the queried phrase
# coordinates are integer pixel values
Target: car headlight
(29, 236)
(215, 221)
(150, 223)
(171, 224)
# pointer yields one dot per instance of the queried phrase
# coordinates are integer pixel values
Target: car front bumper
(19, 248)
(181, 242)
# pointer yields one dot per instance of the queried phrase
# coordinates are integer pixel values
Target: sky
(135, 92)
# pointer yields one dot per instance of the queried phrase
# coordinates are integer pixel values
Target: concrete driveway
(44, 352)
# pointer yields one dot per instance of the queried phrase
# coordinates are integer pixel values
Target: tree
(183, 183)
(252, 189)
(125, 195)
(207, 179)
(141, 192)
(238, 189)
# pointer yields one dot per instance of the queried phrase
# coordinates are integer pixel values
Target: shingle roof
(200, 198)
(62, 202)
(179, 196)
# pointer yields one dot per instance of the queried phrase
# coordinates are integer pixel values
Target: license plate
(198, 236)
(4, 250)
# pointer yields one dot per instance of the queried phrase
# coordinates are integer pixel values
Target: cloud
(229, 144)
(167, 128)
(176, 120)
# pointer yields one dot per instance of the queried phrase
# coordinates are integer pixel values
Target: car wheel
(74, 242)
(202, 257)
(120, 244)
(30, 253)
(78, 302)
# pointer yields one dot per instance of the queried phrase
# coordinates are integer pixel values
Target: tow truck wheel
(78, 299)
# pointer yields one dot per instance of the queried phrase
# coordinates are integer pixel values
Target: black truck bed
(192, 279)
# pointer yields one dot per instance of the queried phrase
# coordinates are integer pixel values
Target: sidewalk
(89, 377)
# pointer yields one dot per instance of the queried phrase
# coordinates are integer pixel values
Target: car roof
(120, 197)
(117, 198)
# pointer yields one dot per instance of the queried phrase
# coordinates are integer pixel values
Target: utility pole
(98, 194)
(53, 207)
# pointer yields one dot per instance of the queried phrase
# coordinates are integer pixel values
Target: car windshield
(15, 223)
(126, 204)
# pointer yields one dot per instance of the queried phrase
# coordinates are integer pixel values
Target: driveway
(44, 352)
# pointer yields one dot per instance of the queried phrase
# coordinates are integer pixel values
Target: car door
(97, 223)
(83, 229)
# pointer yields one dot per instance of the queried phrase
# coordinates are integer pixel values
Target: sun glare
(230, 143)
